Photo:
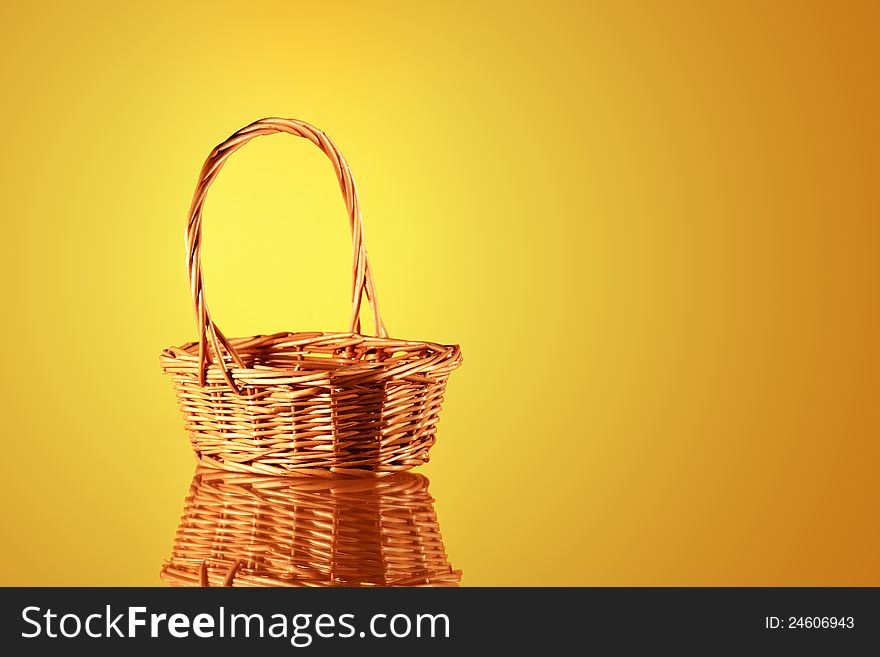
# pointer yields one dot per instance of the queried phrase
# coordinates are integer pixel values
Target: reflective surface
(252, 530)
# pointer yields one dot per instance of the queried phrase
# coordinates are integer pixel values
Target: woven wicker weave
(259, 530)
(306, 403)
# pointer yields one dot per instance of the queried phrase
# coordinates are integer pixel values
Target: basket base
(314, 470)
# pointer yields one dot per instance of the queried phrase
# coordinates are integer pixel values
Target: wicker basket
(259, 530)
(305, 403)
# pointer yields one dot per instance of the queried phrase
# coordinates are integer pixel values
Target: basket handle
(362, 278)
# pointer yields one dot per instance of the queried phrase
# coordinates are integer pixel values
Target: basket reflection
(259, 530)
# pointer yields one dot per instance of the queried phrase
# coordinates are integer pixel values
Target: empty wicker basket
(305, 403)
(259, 530)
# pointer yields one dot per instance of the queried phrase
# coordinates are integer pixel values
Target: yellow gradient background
(652, 226)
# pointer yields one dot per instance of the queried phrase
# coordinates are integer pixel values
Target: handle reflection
(259, 530)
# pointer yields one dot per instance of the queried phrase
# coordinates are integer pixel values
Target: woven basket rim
(419, 355)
